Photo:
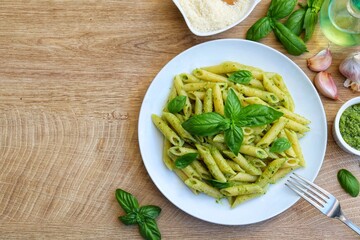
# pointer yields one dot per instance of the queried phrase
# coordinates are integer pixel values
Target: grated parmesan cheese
(212, 15)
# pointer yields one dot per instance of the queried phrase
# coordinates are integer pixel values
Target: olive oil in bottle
(340, 21)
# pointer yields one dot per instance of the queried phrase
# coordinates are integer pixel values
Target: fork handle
(349, 223)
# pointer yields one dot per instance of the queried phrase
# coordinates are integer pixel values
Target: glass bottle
(340, 21)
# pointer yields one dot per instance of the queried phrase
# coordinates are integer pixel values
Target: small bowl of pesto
(346, 128)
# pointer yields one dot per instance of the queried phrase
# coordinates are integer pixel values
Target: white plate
(250, 8)
(279, 197)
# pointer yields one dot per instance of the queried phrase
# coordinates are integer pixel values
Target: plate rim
(325, 133)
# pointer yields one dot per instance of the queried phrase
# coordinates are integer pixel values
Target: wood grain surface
(73, 75)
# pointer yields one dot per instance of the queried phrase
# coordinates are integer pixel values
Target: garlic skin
(321, 61)
(350, 68)
(325, 85)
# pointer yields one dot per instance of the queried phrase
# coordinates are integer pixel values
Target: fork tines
(309, 191)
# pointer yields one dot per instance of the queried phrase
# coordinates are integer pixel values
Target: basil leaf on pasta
(241, 76)
(233, 138)
(176, 104)
(206, 124)
(232, 107)
(280, 145)
(185, 160)
(257, 115)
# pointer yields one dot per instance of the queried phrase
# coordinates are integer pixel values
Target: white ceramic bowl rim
(346, 105)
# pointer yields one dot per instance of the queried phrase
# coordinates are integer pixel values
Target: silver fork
(321, 199)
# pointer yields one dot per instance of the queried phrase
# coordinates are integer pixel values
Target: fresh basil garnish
(206, 124)
(258, 115)
(184, 160)
(295, 21)
(280, 145)
(241, 76)
(233, 138)
(144, 216)
(176, 104)
(348, 182)
(236, 117)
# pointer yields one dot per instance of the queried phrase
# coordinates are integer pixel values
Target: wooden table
(73, 75)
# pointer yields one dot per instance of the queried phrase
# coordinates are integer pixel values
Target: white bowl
(336, 130)
(252, 4)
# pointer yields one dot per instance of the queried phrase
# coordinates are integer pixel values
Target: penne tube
(236, 167)
(208, 101)
(200, 169)
(178, 151)
(198, 108)
(175, 123)
(169, 134)
(221, 162)
(270, 135)
(282, 172)
(242, 189)
(243, 198)
(218, 100)
(166, 158)
(291, 162)
(255, 100)
(269, 171)
(253, 151)
(243, 177)
(243, 163)
(203, 187)
(189, 78)
(292, 136)
(209, 76)
(293, 116)
(193, 95)
(254, 92)
(183, 178)
(179, 86)
(297, 127)
(210, 163)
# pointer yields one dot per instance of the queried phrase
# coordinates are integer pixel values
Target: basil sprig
(279, 9)
(348, 182)
(280, 145)
(144, 216)
(219, 185)
(176, 104)
(236, 117)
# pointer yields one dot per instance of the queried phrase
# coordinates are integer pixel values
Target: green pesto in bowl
(350, 126)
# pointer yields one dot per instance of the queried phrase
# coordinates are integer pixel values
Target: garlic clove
(350, 68)
(325, 85)
(321, 61)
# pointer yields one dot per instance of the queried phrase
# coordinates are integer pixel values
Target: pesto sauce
(350, 126)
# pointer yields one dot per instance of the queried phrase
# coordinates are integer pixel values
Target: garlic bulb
(350, 68)
(321, 61)
(325, 85)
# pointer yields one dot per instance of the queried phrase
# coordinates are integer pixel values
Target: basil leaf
(206, 124)
(280, 145)
(281, 8)
(126, 200)
(241, 76)
(232, 106)
(292, 43)
(184, 160)
(129, 219)
(295, 22)
(257, 115)
(176, 104)
(218, 184)
(316, 5)
(233, 138)
(149, 230)
(310, 21)
(348, 182)
(260, 29)
(150, 211)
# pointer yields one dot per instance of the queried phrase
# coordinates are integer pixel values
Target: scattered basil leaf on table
(176, 104)
(241, 76)
(295, 22)
(348, 182)
(236, 117)
(144, 216)
(185, 160)
(279, 9)
(259, 30)
(310, 20)
(292, 43)
(280, 145)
